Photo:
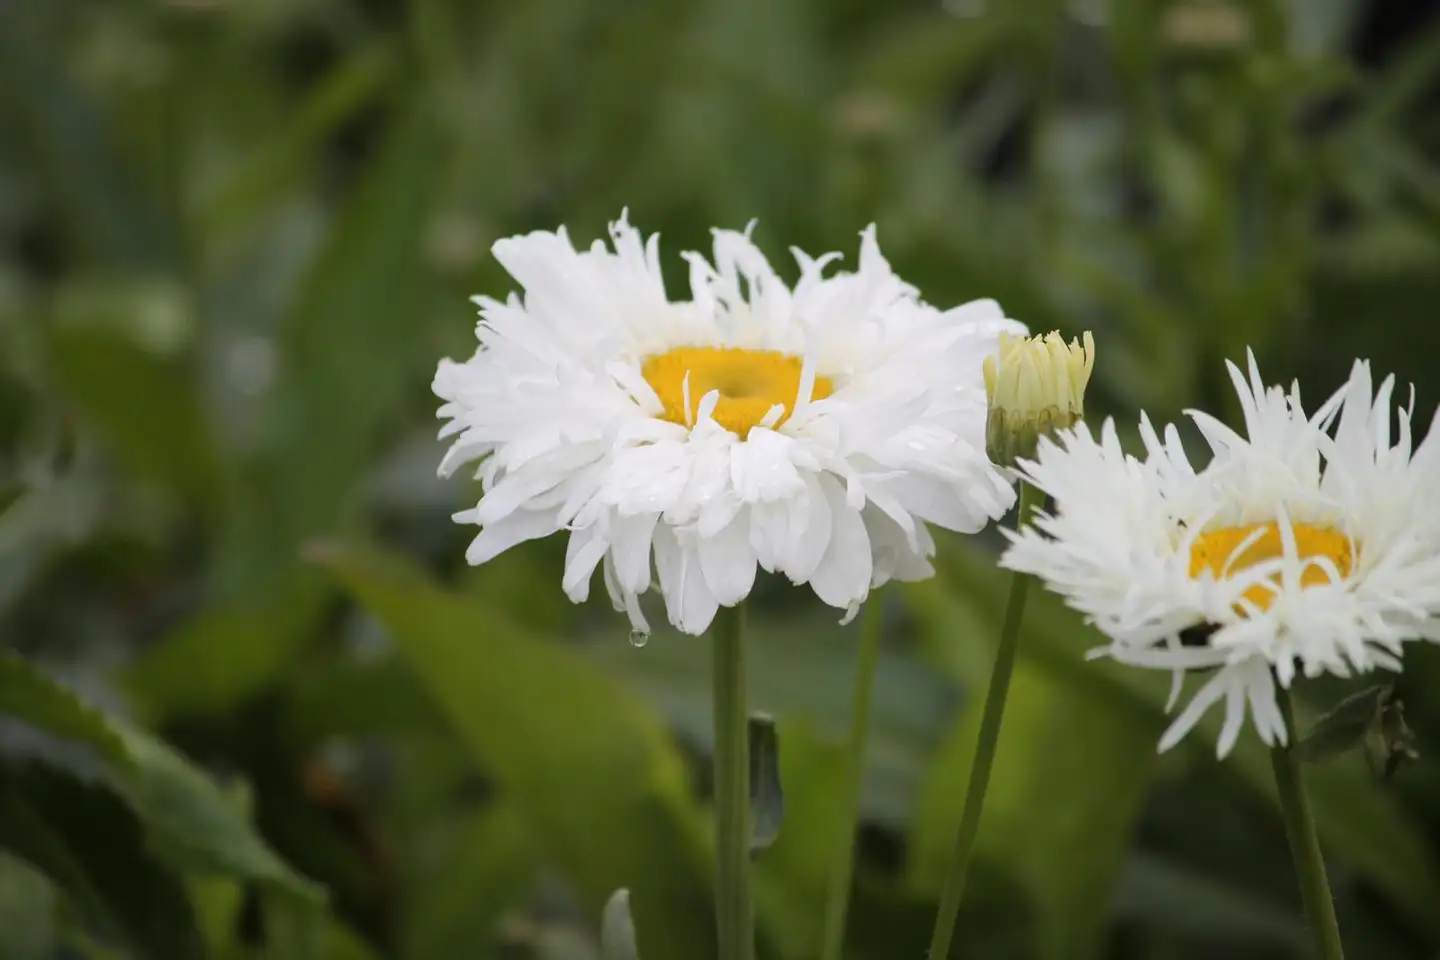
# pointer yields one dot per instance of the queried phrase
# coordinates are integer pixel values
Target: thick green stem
(954, 889)
(842, 868)
(1304, 841)
(734, 918)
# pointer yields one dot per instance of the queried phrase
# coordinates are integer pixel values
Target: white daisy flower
(1293, 548)
(812, 431)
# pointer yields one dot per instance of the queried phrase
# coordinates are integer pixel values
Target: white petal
(1234, 719)
(762, 470)
(843, 576)
(728, 562)
(495, 538)
(632, 536)
(582, 554)
(1208, 694)
(698, 603)
(809, 530)
(688, 601)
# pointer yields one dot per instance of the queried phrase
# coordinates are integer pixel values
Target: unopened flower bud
(1036, 387)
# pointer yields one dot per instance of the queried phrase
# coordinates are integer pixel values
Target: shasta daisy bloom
(812, 431)
(1310, 544)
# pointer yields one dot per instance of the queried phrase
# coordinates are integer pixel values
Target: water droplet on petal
(638, 638)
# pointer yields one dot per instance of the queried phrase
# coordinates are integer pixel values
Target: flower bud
(1036, 387)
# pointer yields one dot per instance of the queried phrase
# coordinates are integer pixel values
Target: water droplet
(638, 638)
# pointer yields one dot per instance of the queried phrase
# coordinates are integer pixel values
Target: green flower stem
(734, 916)
(955, 875)
(1304, 842)
(842, 868)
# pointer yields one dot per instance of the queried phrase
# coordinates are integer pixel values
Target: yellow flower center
(1215, 551)
(750, 382)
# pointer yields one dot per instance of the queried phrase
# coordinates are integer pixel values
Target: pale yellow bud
(1035, 386)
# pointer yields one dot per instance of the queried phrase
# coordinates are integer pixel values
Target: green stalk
(1304, 841)
(955, 875)
(734, 917)
(837, 899)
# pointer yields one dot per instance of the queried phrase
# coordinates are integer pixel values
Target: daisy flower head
(812, 430)
(1309, 545)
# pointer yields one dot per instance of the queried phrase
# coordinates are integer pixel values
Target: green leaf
(1182, 900)
(1068, 853)
(66, 139)
(196, 825)
(617, 929)
(491, 867)
(1343, 726)
(87, 839)
(56, 513)
(292, 930)
(767, 795)
(208, 664)
(28, 694)
(591, 770)
(188, 818)
(27, 910)
(348, 354)
(363, 698)
(147, 407)
(272, 167)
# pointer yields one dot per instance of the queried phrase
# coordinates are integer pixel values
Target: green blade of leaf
(1181, 899)
(28, 694)
(86, 838)
(317, 430)
(211, 662)
(187, 817)
(195, 824)
(598, 782)
(147, 407)
(27, 910)
(274, 166)
(490, 868)
(1067, 854)
(69, 141)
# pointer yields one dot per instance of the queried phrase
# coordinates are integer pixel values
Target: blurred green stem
(734, 918)
(1304, 841)
(842, 867)
(999, 688)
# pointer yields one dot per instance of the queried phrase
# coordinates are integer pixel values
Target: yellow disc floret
(1216, 551)
(750, 382)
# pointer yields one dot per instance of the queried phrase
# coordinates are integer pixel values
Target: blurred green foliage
(236, 238)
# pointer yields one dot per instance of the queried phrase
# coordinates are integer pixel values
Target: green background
(235, 238)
